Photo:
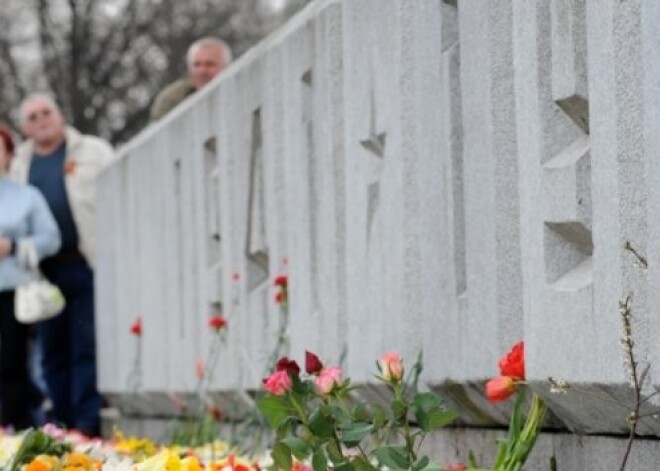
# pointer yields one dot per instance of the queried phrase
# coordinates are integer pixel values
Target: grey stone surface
(568, 451)
(437, 176)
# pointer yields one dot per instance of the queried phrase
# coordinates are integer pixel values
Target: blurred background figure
(105, 61)
(63, 165)
(206, 58)
(25, 220)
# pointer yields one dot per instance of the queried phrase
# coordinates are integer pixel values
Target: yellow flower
(42, 463)
(190, 464)
(134, 446)
(78, 461)
(166, 460)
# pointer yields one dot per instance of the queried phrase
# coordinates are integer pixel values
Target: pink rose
(391, 367)
(279, 383)
(327, 379)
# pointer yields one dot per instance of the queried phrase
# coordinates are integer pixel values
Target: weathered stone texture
(446, 177)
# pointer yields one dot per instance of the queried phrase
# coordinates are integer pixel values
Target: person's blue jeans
(68, 348)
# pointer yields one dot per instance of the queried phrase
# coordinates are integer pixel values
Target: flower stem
(301, 412)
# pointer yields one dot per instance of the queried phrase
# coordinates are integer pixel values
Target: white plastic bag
(36, 300)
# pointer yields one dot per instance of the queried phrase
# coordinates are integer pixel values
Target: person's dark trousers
(18, 394)
(69, 348)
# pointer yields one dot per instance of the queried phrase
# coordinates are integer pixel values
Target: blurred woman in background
(26, 227)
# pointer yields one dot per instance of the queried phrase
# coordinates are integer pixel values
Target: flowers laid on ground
(316, 419)
(54, 449)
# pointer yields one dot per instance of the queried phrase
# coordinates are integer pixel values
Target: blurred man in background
(206, 58)
(64, 164)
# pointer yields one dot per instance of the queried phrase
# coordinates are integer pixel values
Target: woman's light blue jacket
(24, 214)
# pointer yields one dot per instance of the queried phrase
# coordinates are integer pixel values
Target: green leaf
(394, 457)
(361, 464)
(435, 419)
(319, 461)
(339, 415)
(516, 425)
(421, 463)
(398, 409)
(354, 435)
(347, 466)
(428, 412)
(379, 416)
(275, 410)
(281, 455)
(320, 425)
(472, 460)
(334, 452)
(427, 401)
(431, 467)
(361, 413)
(301, 388)
(299, 448)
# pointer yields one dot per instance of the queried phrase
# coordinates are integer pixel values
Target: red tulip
(500, 388)
(513, 363)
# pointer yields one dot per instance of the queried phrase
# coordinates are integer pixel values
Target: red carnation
(136, 327)
(282, 281)
(217, 322)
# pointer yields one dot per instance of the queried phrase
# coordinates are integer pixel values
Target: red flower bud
(312, 363)
(500, 388)
(216, 413)
(391, 367)
(285, 364)
(217, 322)
(199, 369)
(513, 363)
(281, 280)
(136, 327)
